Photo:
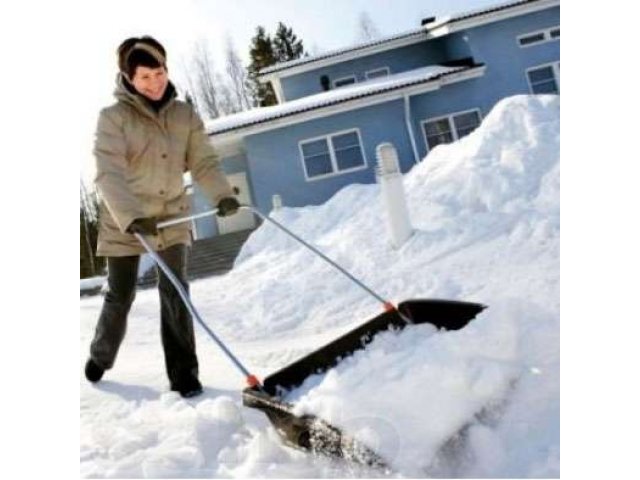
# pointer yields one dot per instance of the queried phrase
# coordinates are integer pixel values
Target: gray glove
(144, 226)
(227, 206)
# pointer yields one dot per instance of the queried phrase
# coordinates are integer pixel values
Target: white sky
(321, 24)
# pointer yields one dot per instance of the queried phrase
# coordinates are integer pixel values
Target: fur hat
(143, 51)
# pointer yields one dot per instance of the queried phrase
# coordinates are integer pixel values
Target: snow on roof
(467, 14)
(331, 97)
(488, 9)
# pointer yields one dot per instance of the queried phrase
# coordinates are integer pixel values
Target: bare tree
(367, 30)
(238, 78)
(201, 80)
(88, 217)
(88, 202)
(227, 100)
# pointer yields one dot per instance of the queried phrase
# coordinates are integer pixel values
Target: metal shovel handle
(252, 380)
(387, 305)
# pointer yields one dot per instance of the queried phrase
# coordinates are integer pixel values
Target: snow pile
(501, 180)
(479, 402)
(165, 438)
(443, 379)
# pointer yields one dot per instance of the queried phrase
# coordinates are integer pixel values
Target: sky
(178, 25)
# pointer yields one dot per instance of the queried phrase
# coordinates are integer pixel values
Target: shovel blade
(314, 434)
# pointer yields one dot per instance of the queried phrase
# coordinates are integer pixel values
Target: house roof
(369, 88)
(480, 12)
(417, 34)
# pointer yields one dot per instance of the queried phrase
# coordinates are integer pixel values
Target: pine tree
(265, 51)
(286, 45)
(262, 56)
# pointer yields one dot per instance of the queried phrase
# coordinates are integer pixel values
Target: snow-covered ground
(486, 216)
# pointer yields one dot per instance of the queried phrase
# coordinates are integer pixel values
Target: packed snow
(483, 401)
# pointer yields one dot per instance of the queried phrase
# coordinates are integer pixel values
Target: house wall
(273, 159)
(453, 98)
(398, 60)
(276, 162)
(496, 45)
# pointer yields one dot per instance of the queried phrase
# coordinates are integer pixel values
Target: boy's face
(150, 82)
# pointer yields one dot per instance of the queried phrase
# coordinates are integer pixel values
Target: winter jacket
(141, 156)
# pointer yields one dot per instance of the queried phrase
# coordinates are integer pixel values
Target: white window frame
(452, 126)
(556, 75)
(355, 80)
(546, 37)
(332, 155)
(375, 70)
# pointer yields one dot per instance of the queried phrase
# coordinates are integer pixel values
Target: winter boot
(93, 371)
(188, 387)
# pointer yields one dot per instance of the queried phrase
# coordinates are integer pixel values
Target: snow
(99, 282)
(341, 94)
(92, 282)
(483, 401)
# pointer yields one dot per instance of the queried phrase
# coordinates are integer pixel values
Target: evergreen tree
(262, 56)
(264, 52)
(286, 45)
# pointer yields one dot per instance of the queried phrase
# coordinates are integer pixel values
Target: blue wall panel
(276, 164)
(398, 60)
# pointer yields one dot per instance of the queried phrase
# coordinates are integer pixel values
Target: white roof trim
(234, 136)
(453, 24)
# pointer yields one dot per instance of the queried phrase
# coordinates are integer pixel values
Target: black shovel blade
(311, 433)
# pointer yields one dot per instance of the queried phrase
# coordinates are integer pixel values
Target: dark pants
(178, 339)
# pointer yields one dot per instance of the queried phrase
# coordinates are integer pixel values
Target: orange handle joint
(389, 307)
(253, 381)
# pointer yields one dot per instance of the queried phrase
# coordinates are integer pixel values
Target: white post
(393, 196)
(276, 200)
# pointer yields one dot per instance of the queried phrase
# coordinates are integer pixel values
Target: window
(341, 82)
(438, 131)
(529, 39)
(542, 36)
(331, 155)
(450, 128)
(377, 73)
(317, 158)
(544, 78)
(466, 123)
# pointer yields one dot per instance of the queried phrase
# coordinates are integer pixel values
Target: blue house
(416, 90)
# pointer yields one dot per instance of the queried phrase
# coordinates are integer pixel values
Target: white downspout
(407, 119)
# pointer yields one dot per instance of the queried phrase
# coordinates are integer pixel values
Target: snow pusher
(306, 431)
